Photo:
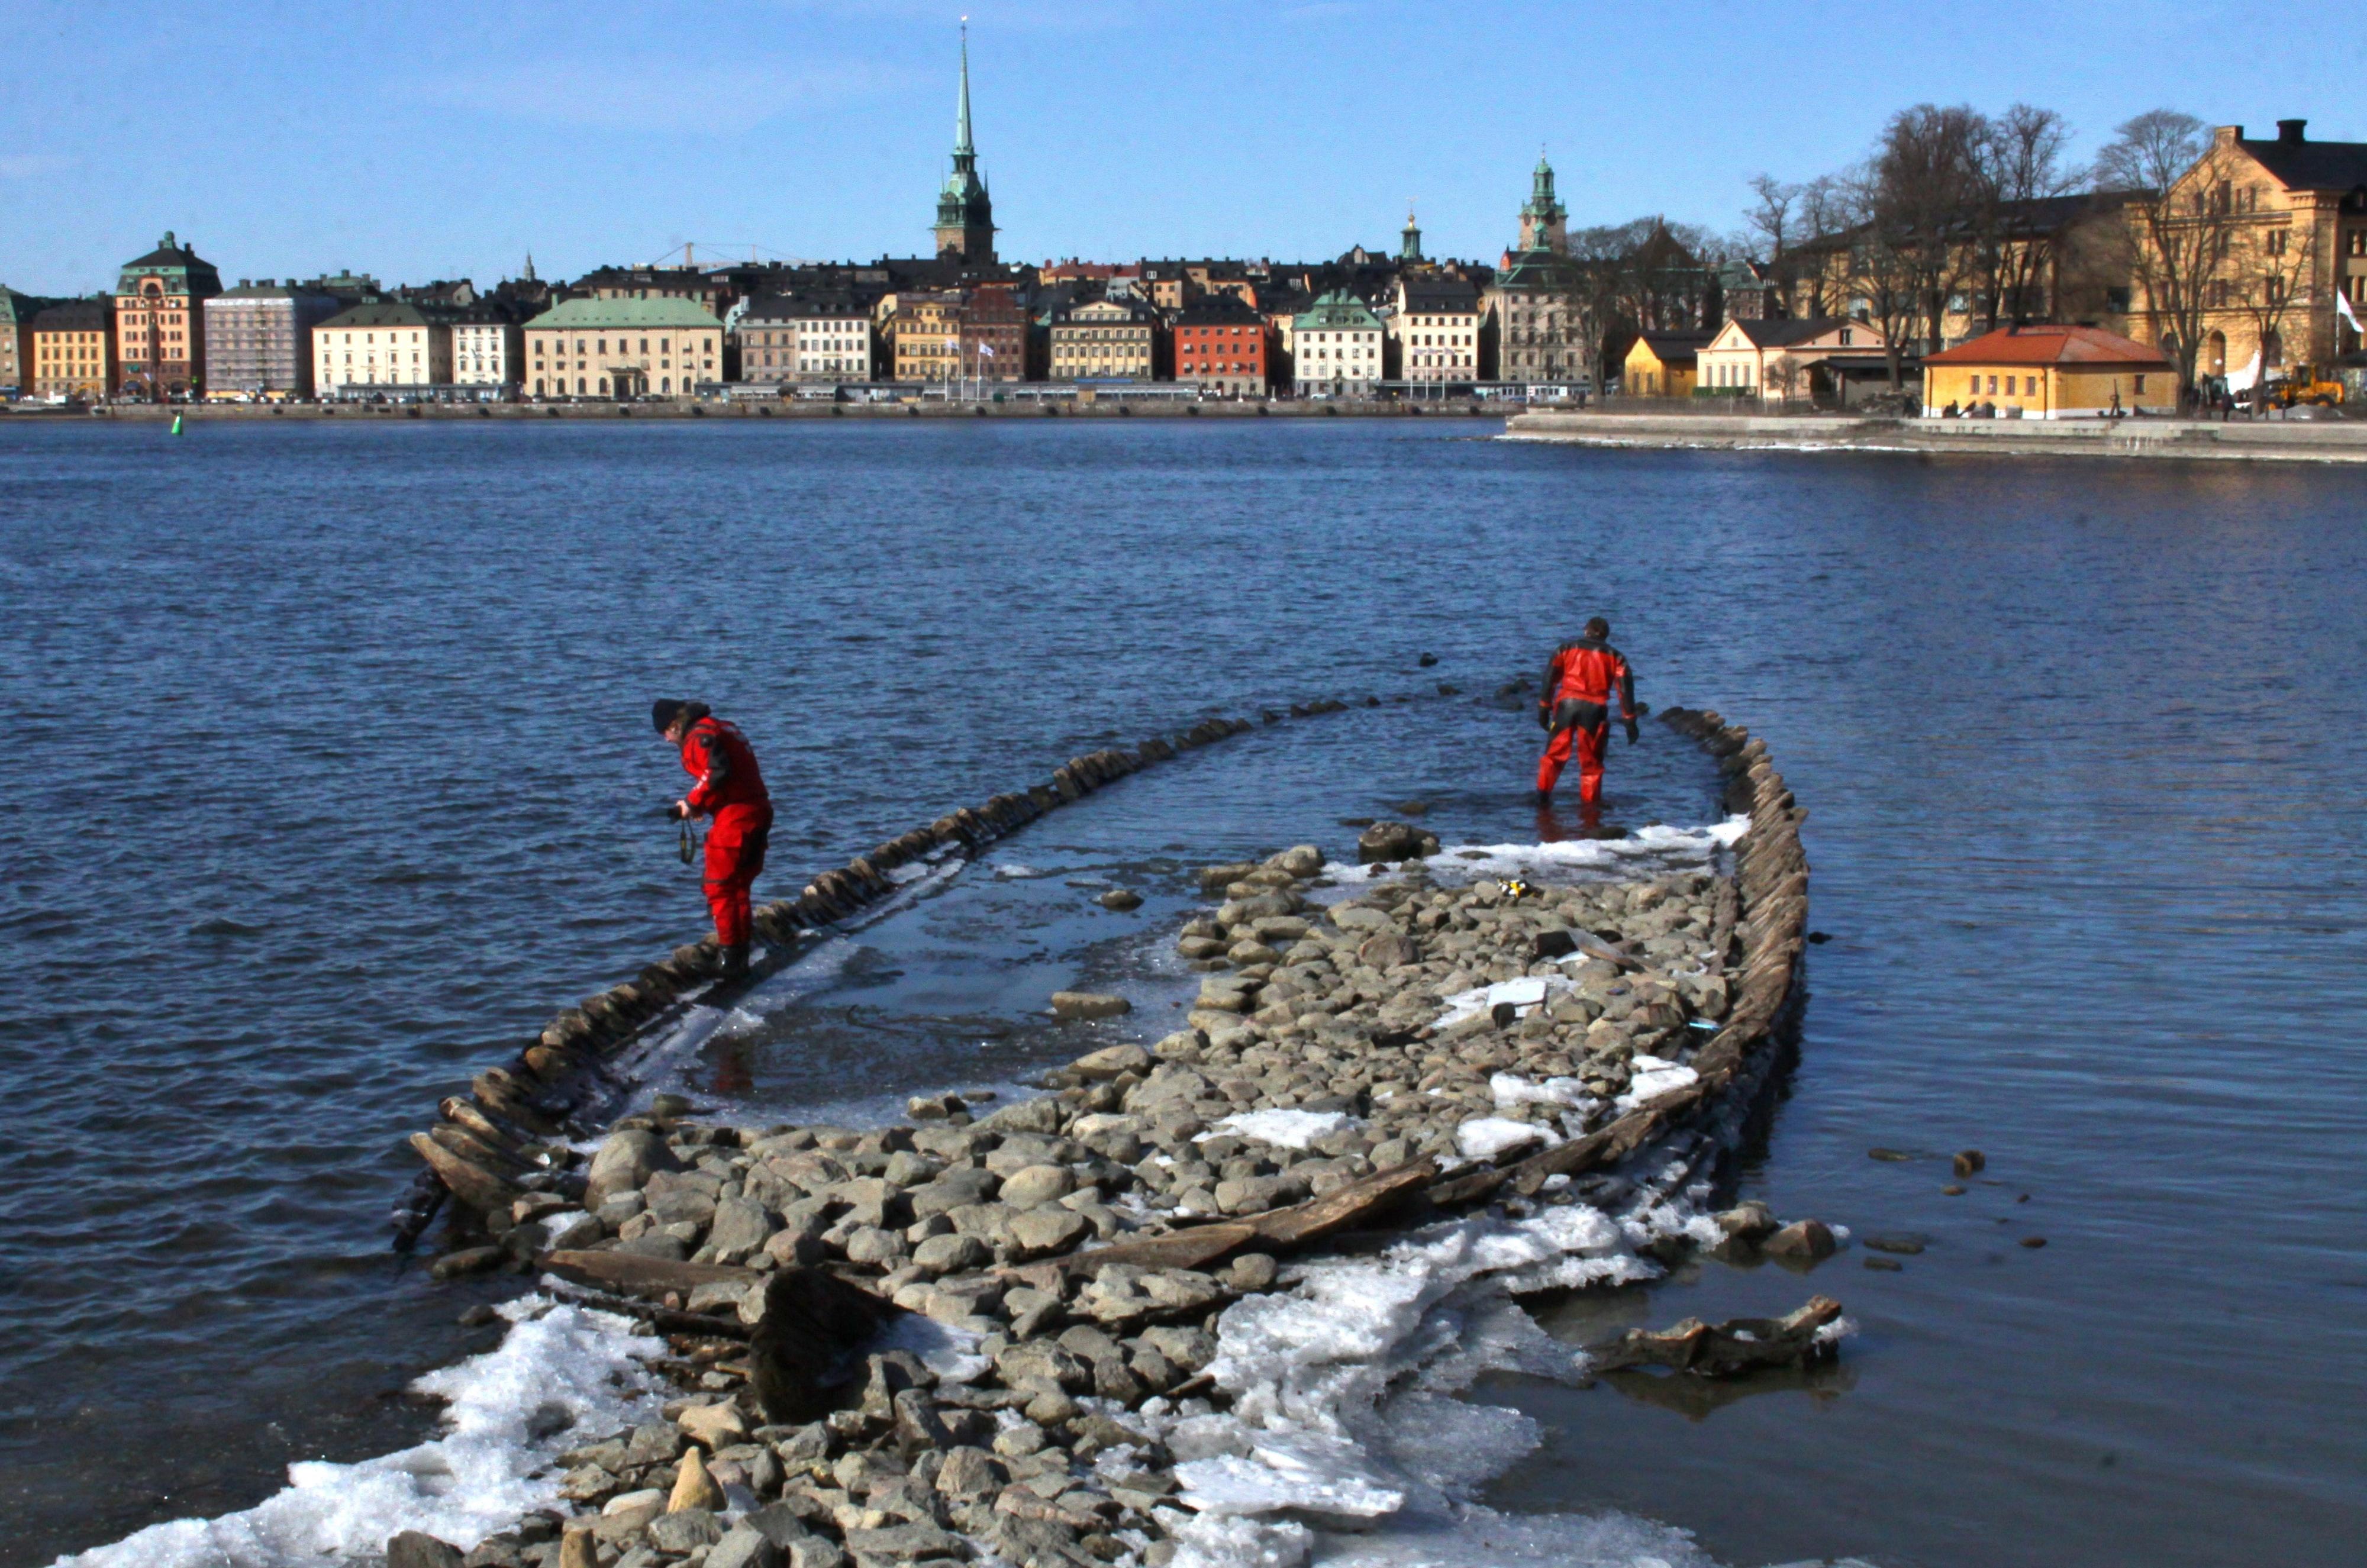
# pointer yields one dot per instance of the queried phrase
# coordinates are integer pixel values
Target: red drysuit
(1577, 700)
(731, 791)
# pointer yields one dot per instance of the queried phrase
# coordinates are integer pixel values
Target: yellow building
(923, 330)
(73, 350)
(1808, 360)
(1663, 364)
(2286, 232)
(2049, 372)
(622, 349)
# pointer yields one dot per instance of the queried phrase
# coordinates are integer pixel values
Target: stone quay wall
(2267, 440)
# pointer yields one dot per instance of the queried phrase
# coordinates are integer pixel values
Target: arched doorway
(2272, 350)
(2214, 354)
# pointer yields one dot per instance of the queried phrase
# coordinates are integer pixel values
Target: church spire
(965, 225)
(961, 114)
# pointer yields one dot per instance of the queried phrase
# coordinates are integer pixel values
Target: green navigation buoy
(177, 424)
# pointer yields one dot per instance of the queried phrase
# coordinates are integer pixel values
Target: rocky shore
(1045, 1332)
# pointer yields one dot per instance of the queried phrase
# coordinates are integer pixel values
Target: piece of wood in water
(637, 1276)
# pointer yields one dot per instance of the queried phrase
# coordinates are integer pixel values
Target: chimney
(2289, 132)
(2226, 135)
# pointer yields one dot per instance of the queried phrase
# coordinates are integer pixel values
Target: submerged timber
(2271, 440)
(1087, 1329)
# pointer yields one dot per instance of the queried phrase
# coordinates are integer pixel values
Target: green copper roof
(613, 314)
(1336, 311)
(181, 268)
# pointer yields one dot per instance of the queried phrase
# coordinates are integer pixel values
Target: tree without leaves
(2175, 239)
(2020, 163)
(1927, 182)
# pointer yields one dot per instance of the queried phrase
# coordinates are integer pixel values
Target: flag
(987, 349)
(2342, 308)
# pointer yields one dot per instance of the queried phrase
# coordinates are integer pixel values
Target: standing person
(729, 791)
(1575, 704)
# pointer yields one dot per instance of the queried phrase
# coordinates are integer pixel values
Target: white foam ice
(1525, 992)
(949, 1351)
(1511, 1089)
(1648, 850)
(560, 1378)
(1285, 1129)
(1344, 1394)
(1651, 1076)
(1485, 1137)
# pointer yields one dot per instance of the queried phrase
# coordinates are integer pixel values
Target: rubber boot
(734, 965)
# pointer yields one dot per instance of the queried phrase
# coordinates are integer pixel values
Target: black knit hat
(664, 711)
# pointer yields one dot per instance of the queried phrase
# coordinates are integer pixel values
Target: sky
(415, 141)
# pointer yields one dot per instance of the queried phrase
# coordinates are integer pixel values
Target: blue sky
(417, 142)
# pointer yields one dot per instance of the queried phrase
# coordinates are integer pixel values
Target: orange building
(2049, 372)
(160, 329)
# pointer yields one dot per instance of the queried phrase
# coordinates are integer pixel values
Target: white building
(382, 344)
(1437, 324)
(817, 337)
(1336, 348)
(487, 348)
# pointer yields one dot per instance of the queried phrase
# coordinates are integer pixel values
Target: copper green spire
(962, 147)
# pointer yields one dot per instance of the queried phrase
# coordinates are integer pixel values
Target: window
(2277, 240)
(2030, 385)
(2140, 383)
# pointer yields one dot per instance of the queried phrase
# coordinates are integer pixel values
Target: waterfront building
(73, 350)
(823, 337)
(1338, 348)
(382, 344)
(965, 225)
(489, 345)
(2286, 219)
(992, 329)
(1223, 346)
(160, 330)
(1535, 298)
(1437, 327)
(17, 357)
(923, 331)
(259, 339)
(1664, 364)
(707, 289)
(622, 349)
(1114, 337)
(1792, 361)
(2050, 372)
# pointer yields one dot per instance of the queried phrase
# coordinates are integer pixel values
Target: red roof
(2053, 345)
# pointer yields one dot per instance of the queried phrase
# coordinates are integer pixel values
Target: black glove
(1545, 717)
(1632, 736)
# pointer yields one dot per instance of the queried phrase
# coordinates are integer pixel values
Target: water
(330, 785)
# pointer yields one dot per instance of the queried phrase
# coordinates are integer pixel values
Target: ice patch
(487, 1468)
(1283, 1129)
(1015, 871)
(1523, 994)
(1511, 1089)
(1646, 852)
(1485, 1137)
(1651, 1076)
(950, 1352)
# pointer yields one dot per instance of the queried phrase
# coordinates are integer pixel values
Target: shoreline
(684, 408)
(1082, 1328)
(2302, 441)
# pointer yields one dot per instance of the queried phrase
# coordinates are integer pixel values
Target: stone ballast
(1339, 1074)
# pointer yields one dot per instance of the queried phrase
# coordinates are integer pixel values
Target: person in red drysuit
(1575, 704)
(730, 793)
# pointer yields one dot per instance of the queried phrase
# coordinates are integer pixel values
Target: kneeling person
(730, 793)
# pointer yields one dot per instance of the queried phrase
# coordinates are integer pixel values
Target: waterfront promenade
(2268, 440)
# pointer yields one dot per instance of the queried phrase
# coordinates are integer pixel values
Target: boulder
(809, 1346)
(1036, 1185)
(745, 1547)
(1386, 950)
(695, 1490)
(1806, 1241)
(415, 1549)
(714, 1426)
(1088, 1004)
(1122, 899)
(1111, 1060)
(625, 1161)
(1394, 840)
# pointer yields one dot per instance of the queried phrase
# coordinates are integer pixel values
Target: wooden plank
(636, 1275)
(1303, 1223)
(481, 1190)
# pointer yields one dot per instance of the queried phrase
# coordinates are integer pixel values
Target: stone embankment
(2267, 440)
(499, 1144)
(784, 408)
(1057, 1271)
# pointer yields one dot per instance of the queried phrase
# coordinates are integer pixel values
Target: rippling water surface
(328, 776)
